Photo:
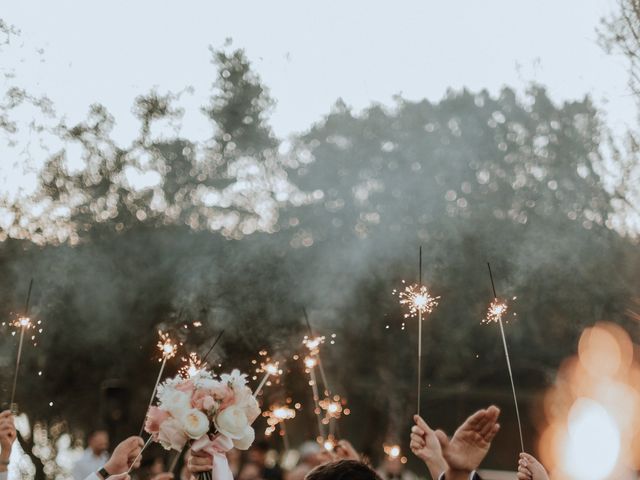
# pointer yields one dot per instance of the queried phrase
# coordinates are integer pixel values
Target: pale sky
(310, 53)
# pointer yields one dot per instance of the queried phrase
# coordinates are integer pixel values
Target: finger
(418, 430)
(493, 412)
(421, 423)
(475, 420)
(528, 458)
(442, 438)
(200, 454)
(417, 438)
(418, 443)
(491, 435)
(6, 414)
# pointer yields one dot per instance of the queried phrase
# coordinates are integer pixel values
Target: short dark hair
(343, 470)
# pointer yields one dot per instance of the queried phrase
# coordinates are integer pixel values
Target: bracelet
(103, 473)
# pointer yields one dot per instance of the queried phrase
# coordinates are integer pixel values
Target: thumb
(421, 423)
(442, 438)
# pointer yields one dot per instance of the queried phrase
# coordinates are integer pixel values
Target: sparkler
(276, 416)
(193, 364)
(419, 301)
(269, 369)
(496, 310)
(168, 350)
(310, 364)
(24, 323)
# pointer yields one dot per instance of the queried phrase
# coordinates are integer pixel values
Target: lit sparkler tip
(310, 362)
(167, 348)
(496, 311)
(417, 299)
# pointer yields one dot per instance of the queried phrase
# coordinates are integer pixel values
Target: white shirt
(93, 476)
(88, 464)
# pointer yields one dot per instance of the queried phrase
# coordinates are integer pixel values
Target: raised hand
(529, 468)
(471, 441)
(426, 446)
(345, 451)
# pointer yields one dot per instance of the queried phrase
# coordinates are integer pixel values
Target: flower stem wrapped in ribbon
(213, 414)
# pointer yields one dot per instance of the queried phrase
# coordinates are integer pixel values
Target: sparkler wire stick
(215, 342)
(506, 354)
(262, 383)
(419, 331)
(23, 326)
(153, 394)
(316, 399)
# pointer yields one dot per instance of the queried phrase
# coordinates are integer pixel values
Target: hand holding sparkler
(125, 457)
(7, 437)
(426, 446)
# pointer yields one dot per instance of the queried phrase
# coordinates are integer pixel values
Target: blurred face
(393, 466)
(99, 442)
(257, 456)
(250, 471)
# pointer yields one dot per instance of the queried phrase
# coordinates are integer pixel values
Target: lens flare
(593, 441)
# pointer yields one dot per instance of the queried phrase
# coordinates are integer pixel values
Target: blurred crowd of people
(445, 458)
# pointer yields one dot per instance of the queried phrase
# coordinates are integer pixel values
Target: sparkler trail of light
(168, 350)
(498, 310)
(24, 323)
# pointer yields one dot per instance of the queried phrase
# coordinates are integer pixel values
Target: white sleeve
(472, 476)
(91, 476)
(4, 475)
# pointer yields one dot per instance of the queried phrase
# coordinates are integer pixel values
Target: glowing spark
(167, 348)
(329, 444)
(313, 344)
(496, 311)
(417, 299)
(269, 369)
(193, 366)
(310, 362)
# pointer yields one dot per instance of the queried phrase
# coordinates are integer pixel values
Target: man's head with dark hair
(343, 470)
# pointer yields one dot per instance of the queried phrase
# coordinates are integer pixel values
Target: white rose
(177, 403)
(171, 435)
(232, 422)
(245, 442)
(195, 424)
(251, 408)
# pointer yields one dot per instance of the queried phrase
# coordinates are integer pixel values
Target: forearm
(4, 460)
(436, 466)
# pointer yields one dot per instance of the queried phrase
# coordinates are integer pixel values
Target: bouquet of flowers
(213, 414)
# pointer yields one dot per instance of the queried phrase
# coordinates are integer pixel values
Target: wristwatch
(103, 473)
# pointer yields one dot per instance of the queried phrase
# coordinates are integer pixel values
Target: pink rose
(155, 416)
(224, 395)
(172, 435)
(203, 399)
